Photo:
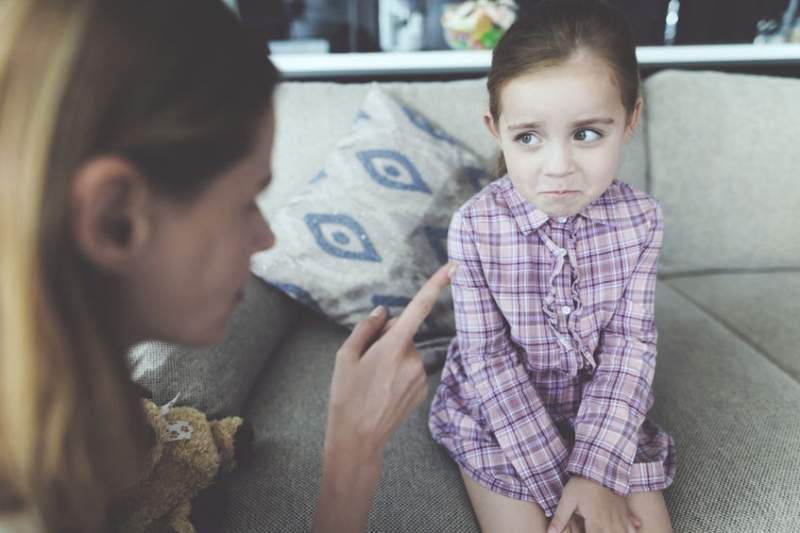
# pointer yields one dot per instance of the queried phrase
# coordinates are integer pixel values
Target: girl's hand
(377, 381)
(600, 508)
(575, 525)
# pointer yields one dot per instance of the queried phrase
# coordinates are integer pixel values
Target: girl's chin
(560, 211)
(564, 205)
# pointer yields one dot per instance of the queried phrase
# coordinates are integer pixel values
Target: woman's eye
(528, 139)
(587, 135)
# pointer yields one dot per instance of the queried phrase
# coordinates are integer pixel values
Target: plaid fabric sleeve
(617, 399)
(509, 402)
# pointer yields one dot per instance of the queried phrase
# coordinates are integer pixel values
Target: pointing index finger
(421, 305)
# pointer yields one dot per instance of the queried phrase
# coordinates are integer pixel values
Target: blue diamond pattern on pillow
(320, 175)
(420, 122)
(392, 169)
(437, 238)
(341, 236)
(477, 176)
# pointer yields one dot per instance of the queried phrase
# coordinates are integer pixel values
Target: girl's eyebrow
(578, 124)
(524, 126)
(587, 122)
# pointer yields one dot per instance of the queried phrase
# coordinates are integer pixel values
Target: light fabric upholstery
(762, 307)
(724, 162)
(218, 379)
(736, 424)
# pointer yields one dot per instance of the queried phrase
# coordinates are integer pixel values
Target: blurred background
(297, 26)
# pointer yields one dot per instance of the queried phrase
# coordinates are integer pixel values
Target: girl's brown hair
(551, 32)
(176, 87)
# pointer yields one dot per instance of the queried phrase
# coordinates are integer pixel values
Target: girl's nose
(559, 160)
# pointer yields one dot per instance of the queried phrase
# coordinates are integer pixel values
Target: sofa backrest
(724, 156)
(313, 116)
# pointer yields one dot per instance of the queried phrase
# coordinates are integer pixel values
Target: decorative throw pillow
(371, 226)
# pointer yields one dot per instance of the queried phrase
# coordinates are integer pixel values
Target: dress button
(562, 252)
(566, 310)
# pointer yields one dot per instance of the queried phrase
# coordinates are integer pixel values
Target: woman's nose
(264, 238)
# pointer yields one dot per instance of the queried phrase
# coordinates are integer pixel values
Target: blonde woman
(134, 137)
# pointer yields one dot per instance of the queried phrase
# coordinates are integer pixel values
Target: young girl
(544, 395)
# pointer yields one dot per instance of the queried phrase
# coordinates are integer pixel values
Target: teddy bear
(178, 493)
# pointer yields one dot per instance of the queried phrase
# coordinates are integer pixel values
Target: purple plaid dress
(551, 370)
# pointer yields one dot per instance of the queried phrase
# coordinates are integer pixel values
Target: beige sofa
(722, 154)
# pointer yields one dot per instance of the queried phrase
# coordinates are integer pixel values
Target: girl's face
(192, 273)
(561, 130)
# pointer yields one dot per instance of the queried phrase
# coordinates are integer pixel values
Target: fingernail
(453, 270)
(378, 311)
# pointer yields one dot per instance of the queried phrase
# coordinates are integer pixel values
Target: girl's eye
(587, 135)
(528, 139)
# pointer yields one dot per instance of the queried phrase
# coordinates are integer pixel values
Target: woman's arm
(377, 381)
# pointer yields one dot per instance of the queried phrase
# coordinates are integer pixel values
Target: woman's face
(193, 271)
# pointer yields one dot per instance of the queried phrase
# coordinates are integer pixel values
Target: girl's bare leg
(500, 514)
(650, 508)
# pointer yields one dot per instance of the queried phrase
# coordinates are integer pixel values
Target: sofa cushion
(763, 308)
(736, 424)
(217, 379)
(724, 163)
(420, 490)
(371, 227)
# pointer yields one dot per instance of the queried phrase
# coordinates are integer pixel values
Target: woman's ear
(491, 126)
(109, 212)
(633, 120)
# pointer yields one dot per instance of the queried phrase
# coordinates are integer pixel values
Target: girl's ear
(492, 127)
(634, 118)
(109, 212)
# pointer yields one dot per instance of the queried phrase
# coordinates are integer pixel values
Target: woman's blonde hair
(177, 88)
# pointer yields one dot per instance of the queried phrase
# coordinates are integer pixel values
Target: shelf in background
(462, 62)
